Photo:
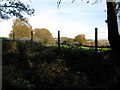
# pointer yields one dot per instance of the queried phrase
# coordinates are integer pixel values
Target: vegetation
(32, 65)
(113, 34)
(88, 42)
(43, 35)
(80, 39)
(9, 8)
(21, 29)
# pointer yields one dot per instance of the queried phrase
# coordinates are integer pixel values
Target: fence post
(59, 39)
(96, 39)
(31, 36)
(13, 36)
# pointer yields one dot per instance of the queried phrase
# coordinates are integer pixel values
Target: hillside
(32, 65)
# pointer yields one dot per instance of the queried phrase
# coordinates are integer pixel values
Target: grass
(32, 65)
(82, 47)
(87, 48)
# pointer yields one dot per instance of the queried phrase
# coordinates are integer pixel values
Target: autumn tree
(80, 39)
(21, 28)
(63, 39)
(67, 41)
(10, 8)
(43, 35)
(70, 41)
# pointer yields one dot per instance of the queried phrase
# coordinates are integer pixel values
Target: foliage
(21, 29)
(67, 41)
(16, 8)
(44, 36)
(80, 38)
(20, 83)
(31, 65)
(62, 39)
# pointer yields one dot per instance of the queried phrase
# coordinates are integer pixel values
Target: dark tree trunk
(113, 34)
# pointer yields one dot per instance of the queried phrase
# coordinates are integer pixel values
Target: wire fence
(93, 34)
(89, 35)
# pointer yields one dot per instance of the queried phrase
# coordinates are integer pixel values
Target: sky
(71, 19)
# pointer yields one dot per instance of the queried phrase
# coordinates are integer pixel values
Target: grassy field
(31, 65)
(88, 48)
(83, 47)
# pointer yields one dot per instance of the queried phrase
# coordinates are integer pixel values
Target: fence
(58, 39)
(96, 39)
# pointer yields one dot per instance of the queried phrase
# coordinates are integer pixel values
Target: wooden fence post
(13, 36)
(96, 39)
(31, 36)
(59, 39)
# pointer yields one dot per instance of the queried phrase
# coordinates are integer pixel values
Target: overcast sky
(71, 18)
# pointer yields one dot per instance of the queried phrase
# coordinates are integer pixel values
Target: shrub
(21, 83)
(29, 64)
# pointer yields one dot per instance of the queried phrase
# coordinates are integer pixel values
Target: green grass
(82, 47)
(87, 48)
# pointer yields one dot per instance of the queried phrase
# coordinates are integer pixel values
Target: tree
(9, 8)
(113, 34)
(80, 38)
(63, 39)
(21, 28)
(67, 41)
(70, 41)
(43, 35)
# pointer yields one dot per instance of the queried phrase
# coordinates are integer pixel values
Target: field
(31, 65)
(100, 48)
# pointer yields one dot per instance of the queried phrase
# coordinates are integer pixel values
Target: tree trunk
(113, 34)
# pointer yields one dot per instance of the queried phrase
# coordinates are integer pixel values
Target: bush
(31, 65)
(21, 83)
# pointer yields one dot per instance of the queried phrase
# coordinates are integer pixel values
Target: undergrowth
(32, 65)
